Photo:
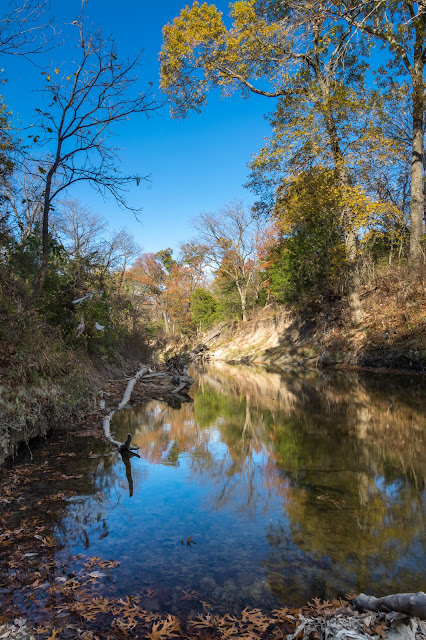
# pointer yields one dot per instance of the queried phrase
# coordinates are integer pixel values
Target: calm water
(289, 486)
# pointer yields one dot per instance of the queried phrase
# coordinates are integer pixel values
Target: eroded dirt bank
(391, 336)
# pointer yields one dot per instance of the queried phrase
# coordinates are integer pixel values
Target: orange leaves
(165, 628)
(189, 595)
(166, 284)
(266, 242)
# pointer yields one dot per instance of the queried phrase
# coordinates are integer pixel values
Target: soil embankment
(391, 336)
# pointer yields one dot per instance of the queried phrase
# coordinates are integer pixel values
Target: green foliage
(211, 405)
(307, 263)
(204, 308)
(165, 256)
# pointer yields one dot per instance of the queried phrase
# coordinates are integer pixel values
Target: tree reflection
(343, 454)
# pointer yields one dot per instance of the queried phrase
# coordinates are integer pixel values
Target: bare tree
(22, 198)
(119, 249)
(84, 105)
(86, 237)
(24, 30)
(230, 238)
(80, 230)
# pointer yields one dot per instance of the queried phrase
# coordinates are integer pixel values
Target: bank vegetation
(327, 267)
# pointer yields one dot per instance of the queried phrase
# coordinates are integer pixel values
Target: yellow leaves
(198, 51)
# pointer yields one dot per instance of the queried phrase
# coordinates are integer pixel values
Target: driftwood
(184, 382)
(106, 422)
(412, 604)
(158, 374)
(130, 385)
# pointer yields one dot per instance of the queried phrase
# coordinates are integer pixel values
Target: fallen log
(159, 374)
(106, 422)
(179, 388)
(130, 385)
(183, 382)
(412, 604)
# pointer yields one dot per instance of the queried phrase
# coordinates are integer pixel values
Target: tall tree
(180, 284)
(400, 25)
(86, 101)
(294, 50)
(90, 244)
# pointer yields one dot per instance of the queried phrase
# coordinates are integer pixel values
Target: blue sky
(195, 165)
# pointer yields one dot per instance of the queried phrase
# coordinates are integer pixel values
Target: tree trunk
(166, 322)
(417, 195)
(350, 235)
(243, 295)
(45, 251)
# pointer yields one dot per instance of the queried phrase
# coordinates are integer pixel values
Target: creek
(270, 488)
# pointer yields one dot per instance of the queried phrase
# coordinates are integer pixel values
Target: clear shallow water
(291, 486)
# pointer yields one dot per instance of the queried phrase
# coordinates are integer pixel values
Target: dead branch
(412, 604)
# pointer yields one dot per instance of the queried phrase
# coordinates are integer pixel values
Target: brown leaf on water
(284, 615)
(164, 628)
(207, 621)
(189, 595)
(256, 618)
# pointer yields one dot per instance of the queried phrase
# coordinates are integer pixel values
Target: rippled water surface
(268, 488)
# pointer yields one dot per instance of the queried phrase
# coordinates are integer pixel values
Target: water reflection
(321, 479)
(291, 486)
